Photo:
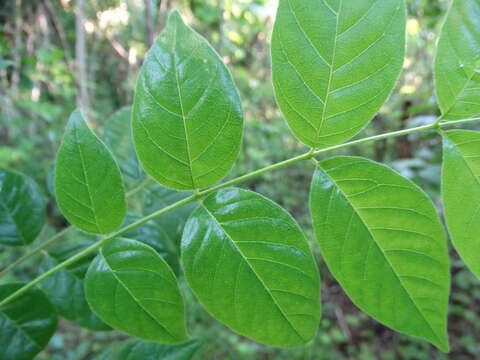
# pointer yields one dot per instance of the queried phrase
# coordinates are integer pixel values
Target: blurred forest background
(56, 55)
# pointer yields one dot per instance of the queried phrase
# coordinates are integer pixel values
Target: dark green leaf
(187, 118)
(65, 287)
(382, 240)
(118, 137)
(135, 349)
(131, 288)
(461, 193)
(88, 182)
(457, 63)
(249, 264)
(22, 209)
(26, 324)
(335, 63)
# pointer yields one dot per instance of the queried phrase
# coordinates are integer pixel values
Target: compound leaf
(457, 63)
(187, 117)
(88, 183)
(461, 193)
(335, 63)
(22, 209)
(248, 262)
(131, 288)
(382, 240)
(26, 324)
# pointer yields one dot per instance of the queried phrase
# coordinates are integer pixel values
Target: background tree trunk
(83, 100)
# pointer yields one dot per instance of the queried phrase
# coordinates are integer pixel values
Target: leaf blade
(461, 152)
(385, 245)
(22, 209)
(147, 301)
(88, 183)
(274, 269)
(329, 80)
(457, 62)
(187, 117)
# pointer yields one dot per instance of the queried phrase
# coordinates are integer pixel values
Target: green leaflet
(131, 288)
(26, 325)
(88, 183)
(187, 117)
(382, 240)
(248, 262)
(335, 63)
(65, 288)
(118, 137)
(22, 209)
(457, 63)
(461, 193)
(135, 349)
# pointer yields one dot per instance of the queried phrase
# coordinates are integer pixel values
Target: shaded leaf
(382, 240)
(135, 349)
(457, 63)
(88, 183)
(26, 324)
(118, 137)
(248, 262)
(22, 209)
(335, 63)
(187, 118)
(131, 288)
(461, 193)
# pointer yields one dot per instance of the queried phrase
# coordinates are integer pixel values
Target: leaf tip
(174, 17)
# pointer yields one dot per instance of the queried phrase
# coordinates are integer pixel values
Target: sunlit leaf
(88, 184)
(248, 262)
(335, 63)
(457, 63)
(187, 118)
(382, 240)
(461, 193)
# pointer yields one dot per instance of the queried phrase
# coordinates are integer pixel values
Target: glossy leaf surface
(248, 262)
(135, 349)
(22, 209)
(26, 324)
(335, 63)
(117, 135)
(88, 183)
(187, 118)
(461, 193)
(457, 63)
(65, 288)
(382, 240)
(131, 288)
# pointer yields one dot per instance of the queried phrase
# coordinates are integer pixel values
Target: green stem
(60, 234)
(200, 194)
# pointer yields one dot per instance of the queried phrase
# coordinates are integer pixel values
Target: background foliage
(41, 81)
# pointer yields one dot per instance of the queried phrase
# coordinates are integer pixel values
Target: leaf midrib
(133, 297)
(244, 258)
(354, 209)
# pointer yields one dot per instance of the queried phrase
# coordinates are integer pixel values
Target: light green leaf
(382, 240)
(118, 137)
(461, 193)
(88, 182)
(457, 63)
(187, 117)
(335, 63)
(22, 209)
(248, 262)
(131, 288)
(65, 288)
(26, 324)
(135, 349)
